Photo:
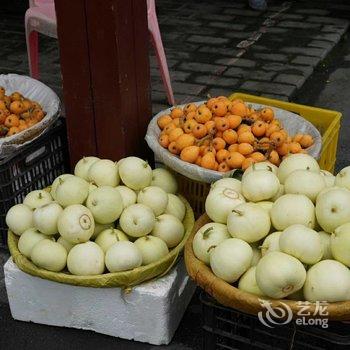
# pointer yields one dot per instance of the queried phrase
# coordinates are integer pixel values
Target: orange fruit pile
(17, 113)
(223, 135)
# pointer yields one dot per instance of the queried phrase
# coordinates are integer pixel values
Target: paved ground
(328, 88)
(224, 47)
(216, 47)
(295, 51)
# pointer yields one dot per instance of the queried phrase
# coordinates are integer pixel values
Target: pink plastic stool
(41, 18)
(156, 39)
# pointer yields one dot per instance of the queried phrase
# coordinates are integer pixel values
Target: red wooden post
(105, 69)
(75, 68)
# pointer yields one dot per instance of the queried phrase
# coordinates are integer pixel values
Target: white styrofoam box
(150, 313)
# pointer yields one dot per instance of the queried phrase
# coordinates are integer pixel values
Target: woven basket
(125, 279)
(195, 192)
(230, 296)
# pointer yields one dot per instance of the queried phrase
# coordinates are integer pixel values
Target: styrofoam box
(150, 313)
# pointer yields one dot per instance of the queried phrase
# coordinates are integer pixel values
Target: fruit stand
(97, 206)
(272, 229)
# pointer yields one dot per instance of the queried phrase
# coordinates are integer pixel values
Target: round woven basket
(125, 279)
(232, 297)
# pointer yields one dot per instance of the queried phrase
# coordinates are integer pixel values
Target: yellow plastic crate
(326, 121)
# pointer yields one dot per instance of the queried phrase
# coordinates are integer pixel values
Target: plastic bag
(292, 122)
(34, 90)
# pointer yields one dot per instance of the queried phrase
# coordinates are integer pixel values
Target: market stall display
(195, 181)
(276, 222)
(106, 216)
(289, 244)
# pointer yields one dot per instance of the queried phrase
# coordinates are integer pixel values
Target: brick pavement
(288, 42)
(216, 47)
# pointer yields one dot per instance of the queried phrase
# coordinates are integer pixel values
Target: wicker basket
(230, 296)
(195, 192)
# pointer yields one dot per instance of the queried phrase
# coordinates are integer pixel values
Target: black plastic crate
(226, 328)
(34, 167)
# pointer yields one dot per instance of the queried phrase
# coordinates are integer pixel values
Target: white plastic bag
(34, 90)
(292, 122)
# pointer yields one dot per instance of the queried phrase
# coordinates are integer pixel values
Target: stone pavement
(216, 47)
(298, 52)
(219, 47)
(328, 87)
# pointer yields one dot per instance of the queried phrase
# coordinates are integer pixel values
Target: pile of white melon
(281, 232)
(116, 214)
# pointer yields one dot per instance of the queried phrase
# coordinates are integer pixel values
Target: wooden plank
(104, 57)
(113, 61)
(75, 68)
(143, 79)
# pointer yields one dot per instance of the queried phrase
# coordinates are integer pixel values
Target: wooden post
(105, 70)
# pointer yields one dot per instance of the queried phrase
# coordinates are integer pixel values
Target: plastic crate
(35, 166)
(326, 121)
(225, 328)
